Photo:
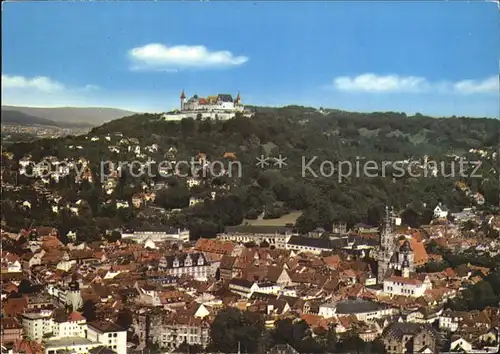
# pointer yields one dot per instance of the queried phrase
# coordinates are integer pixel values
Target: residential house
(440, 211)
(11, 330)
(401, 338)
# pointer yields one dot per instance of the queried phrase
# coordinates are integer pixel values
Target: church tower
(183, 99)
(405, 268)
(73, 296)
(407, 255)
(386, 247)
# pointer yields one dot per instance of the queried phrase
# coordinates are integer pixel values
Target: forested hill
(306, 128)
(299, 133)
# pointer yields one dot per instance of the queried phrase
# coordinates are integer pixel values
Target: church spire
(387, 219)
(386, 248)
(183, 94)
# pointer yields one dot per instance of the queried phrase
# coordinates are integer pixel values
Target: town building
(272, 235)
(11, 330)
(157, 234)
(69, 345)
(364, 310)
(108, 334)
(401, 338)
(413, 286)
(192, 264)
(37, 324)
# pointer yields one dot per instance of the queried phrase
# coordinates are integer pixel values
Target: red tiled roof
(10, 323)
(75, 317)
(419, 252)
(27, 347)
(14, 306)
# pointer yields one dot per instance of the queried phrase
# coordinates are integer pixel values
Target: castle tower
(386, 247)
(183, 99)
(73, 296)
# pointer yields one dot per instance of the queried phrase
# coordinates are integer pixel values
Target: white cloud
(489, 85)
(40, 83)
(159, 57)
(90, 88)
(41, 91)
(373, 83)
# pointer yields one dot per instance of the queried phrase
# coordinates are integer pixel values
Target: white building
(73, 295)
(171, 331)
(69, 345)
(440, 211)
(276, 239)
(243, 287)
(157, 234)
(407, 286)
(460, 345)
(450, 320)
(192, 264)
(108, 334)
(268, 288)
(73, 325)
(364, 310)
(36, 325)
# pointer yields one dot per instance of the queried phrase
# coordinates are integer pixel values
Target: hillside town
(14, 132)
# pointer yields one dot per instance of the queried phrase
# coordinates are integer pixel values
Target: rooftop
(68, 341)
(105, 326)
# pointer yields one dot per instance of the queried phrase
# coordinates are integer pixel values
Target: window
(115, 335)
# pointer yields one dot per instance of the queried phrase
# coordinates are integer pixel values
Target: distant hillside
(90, 115)
(19, 118)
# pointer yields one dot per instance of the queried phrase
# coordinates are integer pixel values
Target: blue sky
(438, 58)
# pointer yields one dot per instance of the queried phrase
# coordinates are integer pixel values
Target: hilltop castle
(220, 106)
(220, 102)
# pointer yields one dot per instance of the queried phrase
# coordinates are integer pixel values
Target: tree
(352, 343)
(188, 126)
(89, 311)
(232, 328)
(296, 334)
(24, 287)
(125, 319)
(113, 236)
